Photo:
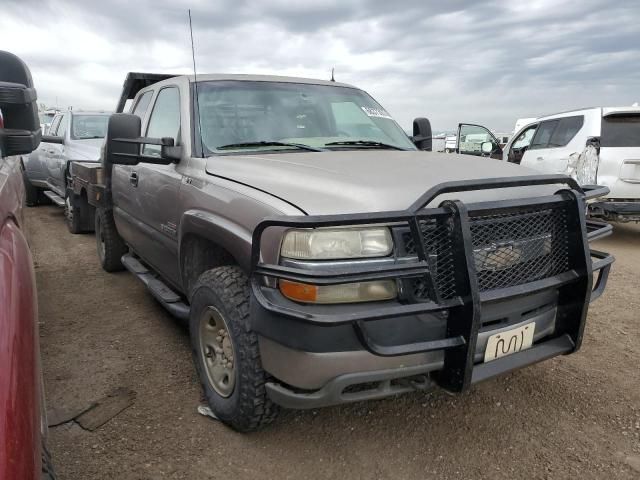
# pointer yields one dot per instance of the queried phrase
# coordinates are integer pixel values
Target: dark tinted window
(544, 133)
(143, 104)
(620, 131)
(566, 130)
(165, 118)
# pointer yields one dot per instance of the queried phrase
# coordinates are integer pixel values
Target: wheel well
(197, 255)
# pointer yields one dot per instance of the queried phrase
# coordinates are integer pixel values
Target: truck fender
(230, 236)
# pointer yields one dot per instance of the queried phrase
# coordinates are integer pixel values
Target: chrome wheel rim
(216, 352)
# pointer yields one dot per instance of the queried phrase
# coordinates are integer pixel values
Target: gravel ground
(570, 417)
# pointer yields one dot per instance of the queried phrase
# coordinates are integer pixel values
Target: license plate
(510, 341)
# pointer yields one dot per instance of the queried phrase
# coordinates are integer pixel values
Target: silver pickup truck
(321, 256)
(72, 136)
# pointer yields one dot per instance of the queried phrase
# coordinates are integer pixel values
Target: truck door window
(472, 137)
(566, 130)
(543, 135)
(143, 104)
(165, 119)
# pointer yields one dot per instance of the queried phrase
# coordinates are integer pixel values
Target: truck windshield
(46, 118)
(253, 115)
(84, 127)
(620, 131)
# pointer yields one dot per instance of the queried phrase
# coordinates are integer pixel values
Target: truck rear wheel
(111, 246)
(225, 350)
(73, 213)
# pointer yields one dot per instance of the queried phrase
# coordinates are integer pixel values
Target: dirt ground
(571, 417)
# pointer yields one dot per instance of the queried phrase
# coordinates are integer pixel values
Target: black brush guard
(577, 284)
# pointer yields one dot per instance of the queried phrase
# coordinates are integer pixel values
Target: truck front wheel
(225, 350)
(111, 246)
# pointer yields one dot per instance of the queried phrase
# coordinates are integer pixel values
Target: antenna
(332, 77)
(195, 82)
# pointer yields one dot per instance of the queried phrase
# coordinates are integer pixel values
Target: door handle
(539, 159)
(133, 179)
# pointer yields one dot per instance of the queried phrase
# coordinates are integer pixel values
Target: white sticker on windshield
(376, 112)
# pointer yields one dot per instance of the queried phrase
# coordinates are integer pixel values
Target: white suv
(599, 145)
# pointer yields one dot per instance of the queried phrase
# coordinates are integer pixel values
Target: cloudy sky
(484, 62)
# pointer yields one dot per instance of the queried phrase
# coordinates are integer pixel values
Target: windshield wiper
(270, 144)
(363, 143)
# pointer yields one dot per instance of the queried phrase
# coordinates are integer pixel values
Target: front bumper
(322, 355)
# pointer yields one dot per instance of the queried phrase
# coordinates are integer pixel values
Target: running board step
(55, 198)
(169, 299)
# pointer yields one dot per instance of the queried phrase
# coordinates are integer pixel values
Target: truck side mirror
(487, 147)
(122, 126)
(123, 143)
(19, 123)
(422, 134)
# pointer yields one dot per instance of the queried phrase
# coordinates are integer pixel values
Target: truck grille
(509, 249)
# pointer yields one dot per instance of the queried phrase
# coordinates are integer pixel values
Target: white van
(599, 145)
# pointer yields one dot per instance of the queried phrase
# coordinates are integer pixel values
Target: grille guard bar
(460, 340)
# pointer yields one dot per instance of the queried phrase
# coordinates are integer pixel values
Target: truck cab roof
(136, 81)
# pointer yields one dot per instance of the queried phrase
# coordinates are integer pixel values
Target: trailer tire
(111, 246)
(220, 303)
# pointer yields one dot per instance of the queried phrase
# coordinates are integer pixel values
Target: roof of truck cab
(208, 77)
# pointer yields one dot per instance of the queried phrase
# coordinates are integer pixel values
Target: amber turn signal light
(300, 292)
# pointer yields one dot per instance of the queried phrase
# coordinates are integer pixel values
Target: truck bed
(88, 177)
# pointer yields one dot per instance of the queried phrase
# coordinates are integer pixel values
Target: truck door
(56, 162)
(475, 140)
(553, 144)
(148, 197)
(36, 166)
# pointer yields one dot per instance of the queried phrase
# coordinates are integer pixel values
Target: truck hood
(366, 180)
(87, 150)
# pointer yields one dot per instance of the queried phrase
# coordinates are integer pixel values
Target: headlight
(337, 243)
(344, 293)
